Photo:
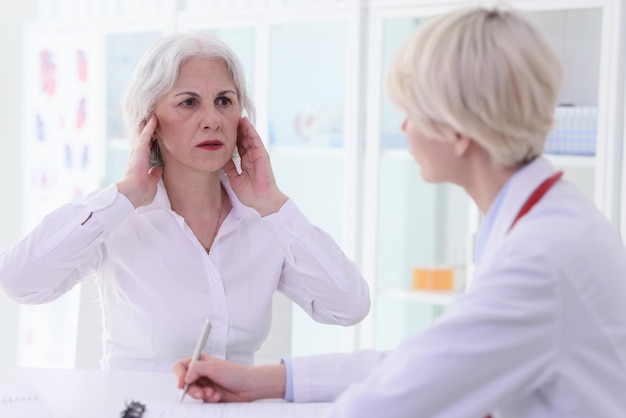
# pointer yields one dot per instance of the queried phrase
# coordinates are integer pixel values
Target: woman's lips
(210, 145)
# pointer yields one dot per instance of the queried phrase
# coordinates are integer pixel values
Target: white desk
(92, 393)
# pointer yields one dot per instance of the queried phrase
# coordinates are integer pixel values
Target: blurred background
(316, 70)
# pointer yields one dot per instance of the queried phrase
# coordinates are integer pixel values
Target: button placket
(220, 318)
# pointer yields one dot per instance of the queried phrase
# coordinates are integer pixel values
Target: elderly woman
(541, 332)
(187, 234)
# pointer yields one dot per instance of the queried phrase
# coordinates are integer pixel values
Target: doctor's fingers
(203, 371)
(180, 371)
(208, 394)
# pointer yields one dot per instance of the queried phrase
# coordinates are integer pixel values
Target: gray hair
(487, 73)
(158, 69)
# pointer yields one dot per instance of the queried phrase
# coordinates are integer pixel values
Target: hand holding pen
(204, 336)
(217, 380)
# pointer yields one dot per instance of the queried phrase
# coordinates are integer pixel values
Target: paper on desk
(22, 401)
(162, 409)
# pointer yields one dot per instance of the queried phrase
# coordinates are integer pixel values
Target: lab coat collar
(523, 184)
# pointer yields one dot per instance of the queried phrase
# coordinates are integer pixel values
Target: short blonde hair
(486, 73)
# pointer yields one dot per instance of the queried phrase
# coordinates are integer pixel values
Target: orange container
(433, 278)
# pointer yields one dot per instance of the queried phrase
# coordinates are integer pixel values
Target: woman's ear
(462, 144)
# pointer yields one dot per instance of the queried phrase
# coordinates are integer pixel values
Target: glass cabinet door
(575, 35)
(585, 141)
(307, 80)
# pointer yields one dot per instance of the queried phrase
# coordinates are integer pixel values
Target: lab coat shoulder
(584, 249)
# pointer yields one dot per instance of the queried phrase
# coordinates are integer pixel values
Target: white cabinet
(408, 223)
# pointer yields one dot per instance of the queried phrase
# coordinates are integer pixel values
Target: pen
(204, 336)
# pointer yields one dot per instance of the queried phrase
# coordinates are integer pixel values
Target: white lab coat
(158, 285)
(541, 332)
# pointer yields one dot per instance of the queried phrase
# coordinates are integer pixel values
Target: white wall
(11, 21)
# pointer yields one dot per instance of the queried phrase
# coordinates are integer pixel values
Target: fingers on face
(230, 169)
(148, 128)
(246, 134)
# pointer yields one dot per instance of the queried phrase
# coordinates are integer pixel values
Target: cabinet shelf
(441, 298)
(580, 161)
(306, 151)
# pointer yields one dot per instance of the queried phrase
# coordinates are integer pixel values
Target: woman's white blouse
(157, 283)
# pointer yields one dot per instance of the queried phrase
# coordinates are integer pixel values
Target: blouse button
(215, 278)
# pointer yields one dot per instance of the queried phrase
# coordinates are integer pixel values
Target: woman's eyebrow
(193, 94)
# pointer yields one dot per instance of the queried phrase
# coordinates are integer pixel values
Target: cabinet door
(310, 140)
(575, 35)
(585, 141)
(423, 225)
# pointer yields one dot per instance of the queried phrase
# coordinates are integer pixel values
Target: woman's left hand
(255, 186)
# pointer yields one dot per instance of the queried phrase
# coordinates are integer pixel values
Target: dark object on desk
(133, 410)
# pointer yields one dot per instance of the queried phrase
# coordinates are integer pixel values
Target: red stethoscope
(536, 196)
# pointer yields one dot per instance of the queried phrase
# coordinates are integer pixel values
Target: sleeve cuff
(288, 379)
(289, 223)
(109, 206)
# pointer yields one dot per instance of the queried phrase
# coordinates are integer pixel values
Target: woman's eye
(223, 101)
(188, 102)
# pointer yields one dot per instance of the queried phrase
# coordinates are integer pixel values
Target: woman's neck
(194, 194)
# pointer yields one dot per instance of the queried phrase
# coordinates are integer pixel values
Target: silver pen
(204, 336)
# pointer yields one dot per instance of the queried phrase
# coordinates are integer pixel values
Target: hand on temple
(255, 186)
(140, 181)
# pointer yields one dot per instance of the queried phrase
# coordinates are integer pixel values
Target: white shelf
(588, 161)
(442, 298)
(307, 151)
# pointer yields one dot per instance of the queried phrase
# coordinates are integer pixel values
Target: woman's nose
(211, 119)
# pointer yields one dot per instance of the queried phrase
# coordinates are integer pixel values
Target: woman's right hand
(139, 184)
